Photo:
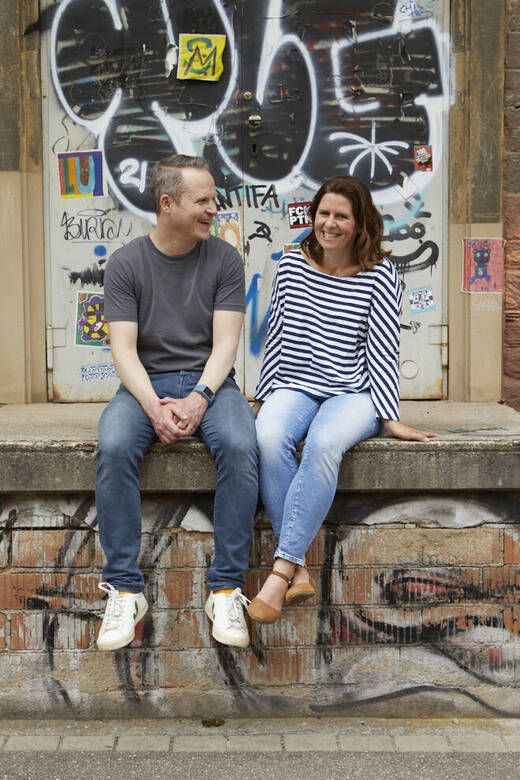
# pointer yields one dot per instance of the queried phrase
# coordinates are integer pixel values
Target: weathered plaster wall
(511, 379)
(417, 613)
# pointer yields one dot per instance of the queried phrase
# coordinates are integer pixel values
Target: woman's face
(334, 224)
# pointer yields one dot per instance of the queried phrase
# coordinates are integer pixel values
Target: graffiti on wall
(378, 68)
(377, 633)
(307, 90)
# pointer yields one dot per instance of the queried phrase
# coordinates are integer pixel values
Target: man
(175, 303)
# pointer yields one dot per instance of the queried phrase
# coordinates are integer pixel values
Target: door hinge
(438, 335)
(56, 336)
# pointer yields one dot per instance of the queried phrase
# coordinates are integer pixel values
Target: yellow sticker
(201, 56)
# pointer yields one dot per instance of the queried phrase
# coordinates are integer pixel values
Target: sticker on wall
(201, 56)
(81, 174)
(299, 215)
(226, 225)
(91, 328)
(98, 373)
(483, 265)
(291, 247)
(423, 158)
(421, 300)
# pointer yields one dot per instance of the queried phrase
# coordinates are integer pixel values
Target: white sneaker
(226, 612)
(123, 611)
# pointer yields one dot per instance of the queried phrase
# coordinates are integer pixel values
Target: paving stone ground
(299, 735)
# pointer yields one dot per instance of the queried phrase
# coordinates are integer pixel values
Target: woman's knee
(273, 440)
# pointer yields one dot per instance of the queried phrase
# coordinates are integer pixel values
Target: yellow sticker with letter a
(201, 56)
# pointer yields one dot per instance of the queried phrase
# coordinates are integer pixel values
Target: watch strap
(206, 392)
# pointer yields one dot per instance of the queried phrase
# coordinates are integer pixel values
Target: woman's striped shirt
(329, 335)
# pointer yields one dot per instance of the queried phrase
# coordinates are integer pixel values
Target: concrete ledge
(51, 447)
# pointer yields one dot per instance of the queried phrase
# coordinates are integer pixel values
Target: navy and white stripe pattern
(329, 335)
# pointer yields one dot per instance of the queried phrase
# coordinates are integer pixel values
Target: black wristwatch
(206, 392)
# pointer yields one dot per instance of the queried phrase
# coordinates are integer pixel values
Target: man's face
(192, 215)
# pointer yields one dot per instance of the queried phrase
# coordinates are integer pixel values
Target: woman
(329, 375)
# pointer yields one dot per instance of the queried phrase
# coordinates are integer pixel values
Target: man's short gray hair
(166, 177)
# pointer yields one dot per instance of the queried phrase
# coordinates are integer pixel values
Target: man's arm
(227, 326)
(132, 373)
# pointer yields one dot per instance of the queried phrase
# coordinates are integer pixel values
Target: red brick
(512, 290)
(84, 591)
(263, 547)
(280, 666)
(511, 127)
(179, 588)
(298, 627)
(405, 586)
(54, 630)
(3, 631)
(511, 391)
(41, 590)
(512, 227)
(512, 620)
(51, 548)
(512, 545)
(405, 625)
(512, 330)
(512, 250)
(511, 174)
(426, 546)
(193, 629)
(512, 59)
(191, 549)
(512, 362)
(512, 15)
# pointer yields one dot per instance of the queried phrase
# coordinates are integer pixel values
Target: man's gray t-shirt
(172, 299)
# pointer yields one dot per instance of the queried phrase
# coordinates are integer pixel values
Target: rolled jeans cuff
(288, 557)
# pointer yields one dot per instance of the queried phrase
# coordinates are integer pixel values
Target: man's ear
(165, 202)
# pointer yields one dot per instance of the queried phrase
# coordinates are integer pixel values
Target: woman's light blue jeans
(297, 499)
(126, 433)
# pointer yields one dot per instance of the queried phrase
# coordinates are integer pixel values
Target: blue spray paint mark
(258, 332)
(100, 251)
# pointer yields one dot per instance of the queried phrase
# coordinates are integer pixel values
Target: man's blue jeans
(126, 433)
(297, 499)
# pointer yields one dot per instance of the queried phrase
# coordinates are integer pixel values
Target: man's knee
(114, 446)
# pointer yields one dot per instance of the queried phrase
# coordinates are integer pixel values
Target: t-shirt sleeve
(120, 294)
(382, 350)
(231, 286)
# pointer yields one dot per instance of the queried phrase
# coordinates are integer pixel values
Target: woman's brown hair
(369, 222)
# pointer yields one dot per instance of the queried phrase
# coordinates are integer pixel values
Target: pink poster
(483, 265)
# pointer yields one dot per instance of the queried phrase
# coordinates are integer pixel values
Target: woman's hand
(397, 430)
(255, 408)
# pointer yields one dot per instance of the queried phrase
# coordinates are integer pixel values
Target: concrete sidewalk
(276, 735)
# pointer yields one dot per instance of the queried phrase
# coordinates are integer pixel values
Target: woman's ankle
(285, 567)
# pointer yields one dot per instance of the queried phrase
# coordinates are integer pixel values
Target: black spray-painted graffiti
(93, 225)
(309, 90)
(427, 252)
(445, 614)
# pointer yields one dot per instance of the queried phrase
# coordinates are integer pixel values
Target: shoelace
(114, 608)
(238, 600)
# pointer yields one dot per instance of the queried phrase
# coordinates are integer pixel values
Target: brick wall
(417, 613)
(511, 192)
